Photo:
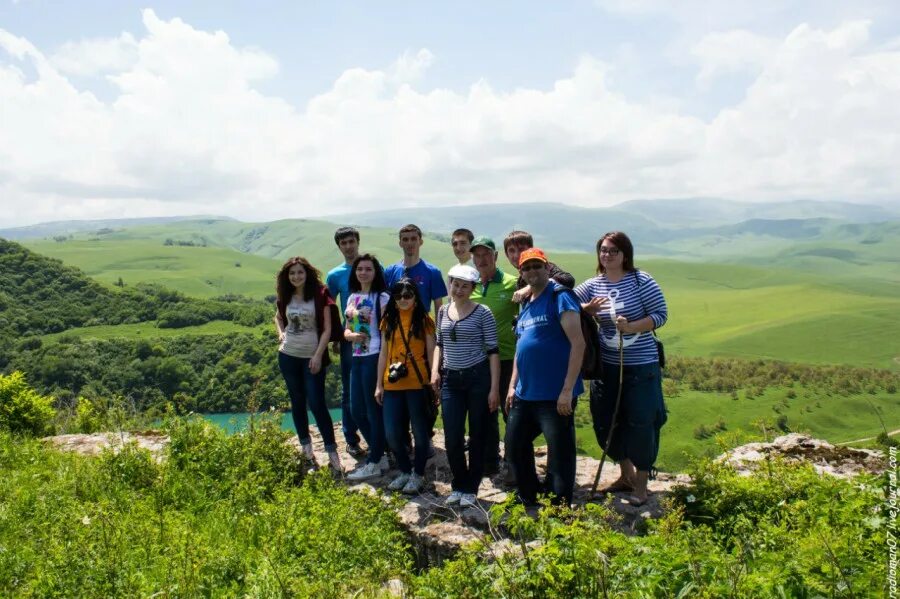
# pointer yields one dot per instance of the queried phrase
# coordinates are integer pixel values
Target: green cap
(485, 241)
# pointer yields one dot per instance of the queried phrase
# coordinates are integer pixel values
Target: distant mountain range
(815, 236)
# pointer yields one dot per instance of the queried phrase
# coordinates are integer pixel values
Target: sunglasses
(404, 295)
(453, 331)
(532, 266)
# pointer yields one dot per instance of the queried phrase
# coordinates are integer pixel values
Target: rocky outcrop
(93, 444)
(836, 460)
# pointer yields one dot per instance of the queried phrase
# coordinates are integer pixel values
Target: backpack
(591, 363)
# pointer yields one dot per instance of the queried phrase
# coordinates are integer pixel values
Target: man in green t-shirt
(495, 290)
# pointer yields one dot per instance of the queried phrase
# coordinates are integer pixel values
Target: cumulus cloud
(188, 131)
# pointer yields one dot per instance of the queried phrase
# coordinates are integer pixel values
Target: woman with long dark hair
(407, 343)
(303, 321)
(367, 301)
(629, 305)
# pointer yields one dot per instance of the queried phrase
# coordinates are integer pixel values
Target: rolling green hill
(715, 309)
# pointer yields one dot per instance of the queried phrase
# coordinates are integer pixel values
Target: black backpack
(591, 364)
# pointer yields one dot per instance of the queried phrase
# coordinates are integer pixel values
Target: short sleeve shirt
(338, 282)
(542, 350)
(366, 321)
(427, 276)
(397, 353)
(497, 295)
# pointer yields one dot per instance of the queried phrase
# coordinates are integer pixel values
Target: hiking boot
(355, 450)
(334, 462)
(307, 451)
(399, 483)
(414, 485)
(364, 472)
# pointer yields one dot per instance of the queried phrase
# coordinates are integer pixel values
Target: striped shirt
(637, 295)
(475, 337)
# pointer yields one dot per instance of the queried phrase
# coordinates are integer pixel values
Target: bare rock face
(94, 444)
(836, 460)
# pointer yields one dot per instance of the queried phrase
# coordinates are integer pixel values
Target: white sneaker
(399, 482)
(468, 500)
(366, 471)
(334, 462)
(383, 464)
(453, 498)
(414, 485)
(309, 455)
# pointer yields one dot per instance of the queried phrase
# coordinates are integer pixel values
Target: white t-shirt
(300, 336)
(366, 320)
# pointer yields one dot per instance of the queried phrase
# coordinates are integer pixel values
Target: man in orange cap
(546, 380)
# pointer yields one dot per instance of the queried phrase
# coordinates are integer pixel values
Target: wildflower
(86, 520)
(690, 499)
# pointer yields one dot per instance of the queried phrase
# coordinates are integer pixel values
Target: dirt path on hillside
(890, 434)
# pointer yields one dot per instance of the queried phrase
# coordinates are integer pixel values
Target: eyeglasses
(403, 295)
(612, 252)
(533, 266)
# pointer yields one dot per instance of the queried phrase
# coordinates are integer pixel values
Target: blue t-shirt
(427, 276)
(542, 349)
(338, 282)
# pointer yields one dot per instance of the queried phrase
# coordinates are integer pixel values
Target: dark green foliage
(727, 375)
(207, 373)
(40, 295)
(223, 516)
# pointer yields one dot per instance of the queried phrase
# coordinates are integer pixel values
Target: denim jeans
(642, 413)
(466, 392)
(526, 420)
(492, 440)
(307, 390)
(397, 404)
(348, 425)
(366, 411)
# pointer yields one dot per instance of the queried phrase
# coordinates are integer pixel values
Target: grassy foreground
(233, 516)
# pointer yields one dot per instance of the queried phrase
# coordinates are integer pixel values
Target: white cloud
(96, 56)
(730, 51)
(187, 131)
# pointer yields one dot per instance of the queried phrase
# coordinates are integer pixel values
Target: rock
(94, 444)
(836, 460)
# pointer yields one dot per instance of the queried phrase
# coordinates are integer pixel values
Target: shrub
(22, 409)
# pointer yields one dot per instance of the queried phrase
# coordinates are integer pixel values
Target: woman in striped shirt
(468, 381)
(630, 304)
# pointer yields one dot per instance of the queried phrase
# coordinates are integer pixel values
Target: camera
(397, 371)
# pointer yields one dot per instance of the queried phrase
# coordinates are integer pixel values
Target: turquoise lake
(237, 421)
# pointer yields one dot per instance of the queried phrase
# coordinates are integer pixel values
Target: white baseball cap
(463, 272)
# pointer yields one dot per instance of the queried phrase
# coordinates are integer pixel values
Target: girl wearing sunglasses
(407, 340)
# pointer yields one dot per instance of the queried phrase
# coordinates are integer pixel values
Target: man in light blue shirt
(338, 282)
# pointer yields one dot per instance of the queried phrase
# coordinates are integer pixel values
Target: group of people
(506, 344)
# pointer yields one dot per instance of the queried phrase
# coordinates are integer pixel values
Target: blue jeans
(366, 411)
(642, 413)
(396, 405)
(527, 419)
(462, 392)
(307, 390)
(348, 425)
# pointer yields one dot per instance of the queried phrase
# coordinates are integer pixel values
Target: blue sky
(280, 109)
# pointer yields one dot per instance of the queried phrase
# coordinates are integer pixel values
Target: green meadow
(714, 309)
